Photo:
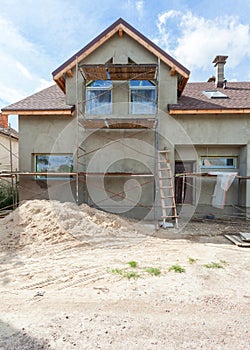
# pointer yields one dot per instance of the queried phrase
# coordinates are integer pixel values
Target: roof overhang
(208, 111)
(119, 71)
(119, 27)
(38, 112)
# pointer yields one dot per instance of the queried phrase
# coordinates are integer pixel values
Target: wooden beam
(120, 32)
(172, 71)
(70, 73)
(208, 111)
(61, 83)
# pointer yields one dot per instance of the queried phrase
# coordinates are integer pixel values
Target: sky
(37, 36)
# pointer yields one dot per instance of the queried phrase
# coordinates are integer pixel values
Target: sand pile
(41, 221)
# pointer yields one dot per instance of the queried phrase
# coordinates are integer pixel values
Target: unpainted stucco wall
(45, 134)
(219, 135)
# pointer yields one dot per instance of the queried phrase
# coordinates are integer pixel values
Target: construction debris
(237, 239)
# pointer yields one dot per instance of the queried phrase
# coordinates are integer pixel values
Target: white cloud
(139, 5)
(43, 84)
(195, 41)
(135, 7)
(23, 70)
(17, 53)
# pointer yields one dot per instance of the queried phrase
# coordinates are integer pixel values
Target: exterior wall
(5, 152)
(214, 135)
(45, 134)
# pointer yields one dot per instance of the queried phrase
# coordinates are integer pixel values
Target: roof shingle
(51, 98)
(193, 98)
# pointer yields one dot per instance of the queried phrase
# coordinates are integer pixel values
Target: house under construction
(122, 120)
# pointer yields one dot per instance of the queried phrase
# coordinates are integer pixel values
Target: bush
(6, 196)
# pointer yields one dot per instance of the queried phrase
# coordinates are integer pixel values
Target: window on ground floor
(53, 163)
(218, 162)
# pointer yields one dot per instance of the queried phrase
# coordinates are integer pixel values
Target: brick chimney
(3, 121)
(219, 63)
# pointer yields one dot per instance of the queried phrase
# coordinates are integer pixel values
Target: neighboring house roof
(117, 27)
(47, 101)
(194, 101)
(7, 132)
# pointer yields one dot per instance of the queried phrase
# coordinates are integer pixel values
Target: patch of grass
(154, 271)
(191, 260)
(124, 273)
(177, 268)
(132, 264)
(115, 271)
(215, 265)
(131, 274)
(224, 262)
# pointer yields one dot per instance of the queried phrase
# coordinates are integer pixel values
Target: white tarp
(223, 183)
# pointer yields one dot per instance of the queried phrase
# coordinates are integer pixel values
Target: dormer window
(142, 97)
(99, 97)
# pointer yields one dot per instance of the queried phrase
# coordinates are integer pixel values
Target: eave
(209, 111)
(39, 112)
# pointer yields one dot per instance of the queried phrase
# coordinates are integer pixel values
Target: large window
(99, 97)
(53, 163)
(142, 97)
(218, 162)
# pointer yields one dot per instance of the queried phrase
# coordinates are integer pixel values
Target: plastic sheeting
(223, 183)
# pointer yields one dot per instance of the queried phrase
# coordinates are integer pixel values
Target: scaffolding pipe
(77, 135)
(11, 167)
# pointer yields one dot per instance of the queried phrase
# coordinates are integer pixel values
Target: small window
(218, 162)
(214, 94)
(142, 97)
(99, 97)
(53, 163)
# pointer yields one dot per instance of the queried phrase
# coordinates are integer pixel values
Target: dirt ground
(67, 294)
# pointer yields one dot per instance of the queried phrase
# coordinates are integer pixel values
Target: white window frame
(47, 168)
(145, 107)
(92, 101)
(218, 166)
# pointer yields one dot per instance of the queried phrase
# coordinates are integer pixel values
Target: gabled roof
(117, 27)
(47, 101)
(194, 101)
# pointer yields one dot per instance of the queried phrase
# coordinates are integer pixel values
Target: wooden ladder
(166, 188)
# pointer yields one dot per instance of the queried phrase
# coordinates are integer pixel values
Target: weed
(132, 264)
(154, 271)
(177, 268)
(224, 262)
(124, 273)
(115, 271)
(191, 260)
(131, 274)
(214, 265)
